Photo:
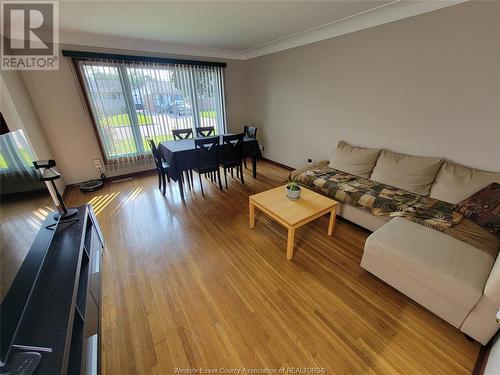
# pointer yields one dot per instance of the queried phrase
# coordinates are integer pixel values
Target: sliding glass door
(130, 101)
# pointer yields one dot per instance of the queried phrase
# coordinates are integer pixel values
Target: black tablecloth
(181, 154)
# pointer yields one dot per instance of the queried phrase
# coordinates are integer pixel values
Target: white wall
(19, 113)
(426, 85)
(68, 124)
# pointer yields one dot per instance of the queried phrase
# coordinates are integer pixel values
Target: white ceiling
(226, 29)
(229, 25)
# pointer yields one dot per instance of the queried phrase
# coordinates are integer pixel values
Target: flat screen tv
(25, 203)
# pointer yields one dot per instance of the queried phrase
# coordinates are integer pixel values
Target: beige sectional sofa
(457, 279)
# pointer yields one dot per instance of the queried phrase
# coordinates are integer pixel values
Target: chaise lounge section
(420, 245)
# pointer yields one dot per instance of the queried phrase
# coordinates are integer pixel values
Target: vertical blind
(16, 158)
(131, 101)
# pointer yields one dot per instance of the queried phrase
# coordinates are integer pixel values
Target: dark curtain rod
(132, 58)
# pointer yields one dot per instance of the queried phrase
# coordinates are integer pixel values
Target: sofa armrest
(492, 287)
(296, 172)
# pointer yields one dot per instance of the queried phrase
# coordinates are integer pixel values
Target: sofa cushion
(451, 268)
(455, 182)
(354, 160)
(483, 208)
(412, 173)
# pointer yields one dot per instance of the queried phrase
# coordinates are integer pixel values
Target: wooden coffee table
(292, 213)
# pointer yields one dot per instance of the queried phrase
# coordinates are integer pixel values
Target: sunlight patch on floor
(130, 198)
(40, 215)
(100, 202)
(37, 217)
(35, 222)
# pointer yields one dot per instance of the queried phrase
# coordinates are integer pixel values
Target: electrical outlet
(261, 147)
(98, 165)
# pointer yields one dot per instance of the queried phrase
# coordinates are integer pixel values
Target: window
(16, 157)
(132, 100)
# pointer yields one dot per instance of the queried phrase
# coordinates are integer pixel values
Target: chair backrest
(154, 151)
(182, 133)
(207, 152)
(233, 147)
(205, 131)
(250, 131)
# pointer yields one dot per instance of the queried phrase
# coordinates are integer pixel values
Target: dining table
(181, 156)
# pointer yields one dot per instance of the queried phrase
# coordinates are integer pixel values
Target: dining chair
(162, 167)
(250, 132)
(182, 134)
(207, 159)
(205, 131)
(232, 155)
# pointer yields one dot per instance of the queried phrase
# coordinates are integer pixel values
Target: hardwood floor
(19, 213)
(191, 285)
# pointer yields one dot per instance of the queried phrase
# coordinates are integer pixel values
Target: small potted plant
(293, 190)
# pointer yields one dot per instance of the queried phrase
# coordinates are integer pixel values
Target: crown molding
(394, 11)
(390, 12)
(70, 37)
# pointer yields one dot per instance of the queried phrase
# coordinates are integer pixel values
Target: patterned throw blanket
(380, 199)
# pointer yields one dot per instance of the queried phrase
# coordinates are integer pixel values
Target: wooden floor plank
(191, 285)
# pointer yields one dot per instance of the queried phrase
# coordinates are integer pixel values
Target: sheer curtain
(16, 158)
(131, 101)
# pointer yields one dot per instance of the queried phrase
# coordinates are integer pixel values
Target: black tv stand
(62, 316)
(25, 363)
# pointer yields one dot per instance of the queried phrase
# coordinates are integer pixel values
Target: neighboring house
(158, 96)
(110, 93)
